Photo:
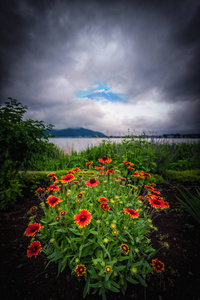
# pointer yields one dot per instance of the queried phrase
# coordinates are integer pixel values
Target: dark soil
(26, 278)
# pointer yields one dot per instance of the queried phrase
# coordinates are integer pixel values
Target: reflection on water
(78, 144)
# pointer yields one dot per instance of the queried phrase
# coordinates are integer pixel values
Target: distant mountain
(76, 132)
(99, 94)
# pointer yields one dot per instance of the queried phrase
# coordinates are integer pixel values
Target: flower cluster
(97, 221)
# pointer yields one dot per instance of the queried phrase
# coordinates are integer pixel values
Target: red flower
(110, 171)
(80, 195)
(54, 178)
(130, 168)
(92, 182)
(101, 173)
(80, 270)
(34, 249)
(123, 179)
(103, 200)
(157, 203)
(131, 212)
(33, 229)
(99, 167)
(76, 170)
(89, 163)
(105, 206)
(166, 204)
(53, 200)
(51, 174)
(71, 172)
(158, 265)
(53, 188)
(105, 160)
(68, 178)
(63, 212)
(125, 248)
(57, 218)
(84, 218)
(39, 190)
(33, 208)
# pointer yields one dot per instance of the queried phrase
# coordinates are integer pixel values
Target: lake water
(78, 144)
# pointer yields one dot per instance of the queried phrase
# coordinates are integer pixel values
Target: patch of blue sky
(100, 86)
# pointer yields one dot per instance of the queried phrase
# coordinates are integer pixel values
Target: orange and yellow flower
(53, 200)
(131, 212)
(34, 249)
(108, 269)
(103, 200)
(82, 219)
(80, 270)
(33, 229)
(158, 265)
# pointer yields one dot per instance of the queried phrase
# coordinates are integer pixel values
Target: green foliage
(189, 176)
(97, 244)
(19, 141)
(19, 138)
(11, 191)
(191, 204)
(154, 156)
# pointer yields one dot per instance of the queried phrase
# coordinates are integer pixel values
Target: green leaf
(119, 268)
(141, 280)
(131, 280)
(86, 288)
(96, 285)
(114, 289)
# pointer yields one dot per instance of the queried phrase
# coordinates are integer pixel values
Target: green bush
(189, 176)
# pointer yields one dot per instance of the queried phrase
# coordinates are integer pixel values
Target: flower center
(34, 228)
(92, 180)
(157, 202)
(105, 158)
(82, 218)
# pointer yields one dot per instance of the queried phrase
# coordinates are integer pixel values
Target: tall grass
(154, 156)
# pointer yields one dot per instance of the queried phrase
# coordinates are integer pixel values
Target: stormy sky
(148, 52)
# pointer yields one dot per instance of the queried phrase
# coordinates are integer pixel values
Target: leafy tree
(19, 141)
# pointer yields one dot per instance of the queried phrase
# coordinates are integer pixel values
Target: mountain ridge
(76, 132)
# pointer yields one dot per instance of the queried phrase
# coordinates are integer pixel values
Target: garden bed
(27, 278)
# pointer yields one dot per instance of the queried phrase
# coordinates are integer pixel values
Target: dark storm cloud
(51, 49)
